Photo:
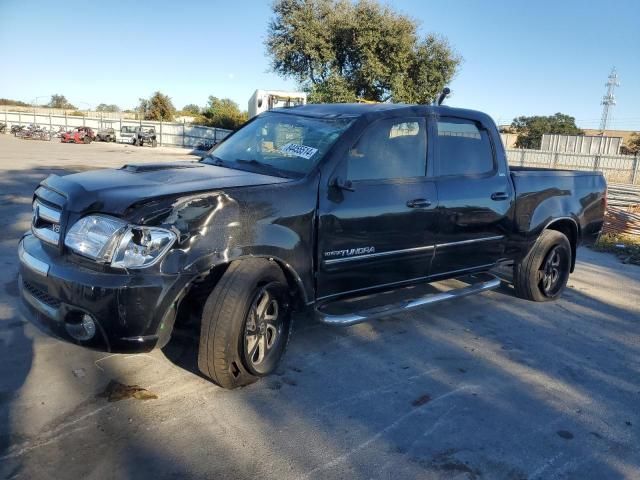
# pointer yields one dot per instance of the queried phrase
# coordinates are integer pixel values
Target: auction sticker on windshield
(299, 150)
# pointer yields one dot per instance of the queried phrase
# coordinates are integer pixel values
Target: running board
(477, 283)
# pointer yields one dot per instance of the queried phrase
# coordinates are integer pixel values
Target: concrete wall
(603, 145)
(615, 168)
(168, 133)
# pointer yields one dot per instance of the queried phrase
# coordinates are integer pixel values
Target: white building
(263, 100)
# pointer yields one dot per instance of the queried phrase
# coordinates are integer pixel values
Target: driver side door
(379, 232)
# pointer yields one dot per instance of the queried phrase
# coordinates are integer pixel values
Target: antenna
(445, 91)
(609, 100)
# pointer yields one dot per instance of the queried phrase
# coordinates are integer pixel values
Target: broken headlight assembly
(111, 240)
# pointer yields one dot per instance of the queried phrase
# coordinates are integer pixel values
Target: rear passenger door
(474, 194)
(380, 231)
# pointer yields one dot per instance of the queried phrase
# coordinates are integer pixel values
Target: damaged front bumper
(113, 312)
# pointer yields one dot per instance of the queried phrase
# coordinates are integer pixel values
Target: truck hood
(114, 190)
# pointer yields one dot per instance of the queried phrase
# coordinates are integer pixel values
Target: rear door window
(464, 148)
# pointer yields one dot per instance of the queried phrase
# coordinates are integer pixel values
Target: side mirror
(343, 184)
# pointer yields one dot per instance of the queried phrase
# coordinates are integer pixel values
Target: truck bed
(543, 192)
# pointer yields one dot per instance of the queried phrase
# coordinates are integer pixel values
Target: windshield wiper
(217, 161)
(265, 167)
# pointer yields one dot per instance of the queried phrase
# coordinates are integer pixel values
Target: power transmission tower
(609, 100)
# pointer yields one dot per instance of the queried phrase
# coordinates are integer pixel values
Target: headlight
(95, 236)
(142, 246)
(107, 239)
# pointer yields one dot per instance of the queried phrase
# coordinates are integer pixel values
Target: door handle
(499, 196)
(418, 203)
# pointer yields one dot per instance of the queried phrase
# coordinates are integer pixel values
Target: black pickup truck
(350, 212)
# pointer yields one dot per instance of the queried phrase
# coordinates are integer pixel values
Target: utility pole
(609, 100)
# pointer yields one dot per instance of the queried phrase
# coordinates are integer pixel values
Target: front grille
(41, 295)
(46, 219)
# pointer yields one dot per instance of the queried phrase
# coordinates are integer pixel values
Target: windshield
(279, 144)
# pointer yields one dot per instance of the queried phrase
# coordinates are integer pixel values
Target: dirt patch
(116, 391)
(446, 462)
(421, 400)
(565, 434)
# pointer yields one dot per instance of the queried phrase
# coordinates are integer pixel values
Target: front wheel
(542, 275)
(245, 324)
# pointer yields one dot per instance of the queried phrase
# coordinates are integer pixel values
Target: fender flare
(573, 241)
(291, 274)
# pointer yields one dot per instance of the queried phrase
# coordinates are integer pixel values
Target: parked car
(127, 134)
(145, 135)
(139, 135)
(78, 135)
(339, 210)
(106, 135)
(205, 145)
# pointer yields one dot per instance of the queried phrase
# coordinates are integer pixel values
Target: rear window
(464, 148)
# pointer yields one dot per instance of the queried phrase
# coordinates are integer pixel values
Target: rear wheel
(245, 324)
(543, 274)
(86, 139)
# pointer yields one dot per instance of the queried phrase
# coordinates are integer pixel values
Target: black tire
(87, 139)
(542, 275)
(135, 142)
(232, 323)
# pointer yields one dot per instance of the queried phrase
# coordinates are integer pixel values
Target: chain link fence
(168, 133)
(615, 168)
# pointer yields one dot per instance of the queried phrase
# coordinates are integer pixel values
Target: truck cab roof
(338, 110)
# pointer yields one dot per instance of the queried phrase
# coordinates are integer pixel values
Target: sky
(520, 57)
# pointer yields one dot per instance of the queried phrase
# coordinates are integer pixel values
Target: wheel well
(570, 230)
(295, 286)
(191, 305)
(190, 308)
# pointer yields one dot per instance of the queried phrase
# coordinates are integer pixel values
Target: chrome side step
(477, 283)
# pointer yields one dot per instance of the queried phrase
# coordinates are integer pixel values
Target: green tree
(340, 51)
(531, 129)
(60, 101)
(191, 109)
(158, 107)
(335, 89)
(223, 113)
(103, 107)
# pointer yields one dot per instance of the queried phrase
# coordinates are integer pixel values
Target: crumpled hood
(114, 190)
